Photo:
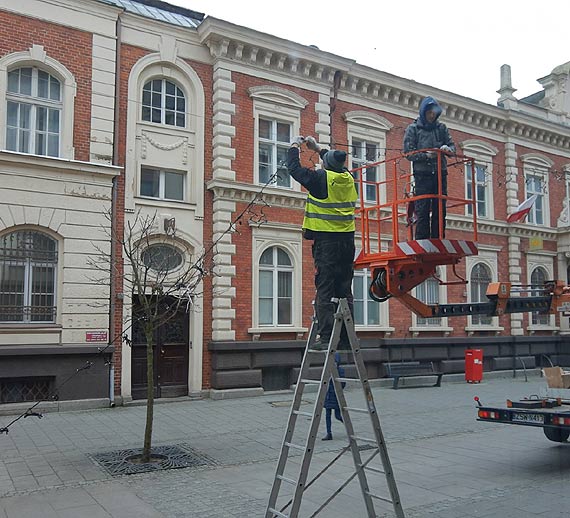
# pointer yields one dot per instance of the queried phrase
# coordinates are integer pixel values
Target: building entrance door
(171, 350)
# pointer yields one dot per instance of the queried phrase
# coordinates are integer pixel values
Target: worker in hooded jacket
(426, 132)
(329, 223)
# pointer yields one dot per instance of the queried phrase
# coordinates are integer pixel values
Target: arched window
(275, 288)
(33, 112)
(28, 268)
(537, 278)
(163, 103)
(479, 281)
(366, 310)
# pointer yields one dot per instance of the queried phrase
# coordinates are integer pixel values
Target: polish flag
(522, 210)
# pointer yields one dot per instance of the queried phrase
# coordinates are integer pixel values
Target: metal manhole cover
(175, 456)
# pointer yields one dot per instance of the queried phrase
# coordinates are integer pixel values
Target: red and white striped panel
(437, 246)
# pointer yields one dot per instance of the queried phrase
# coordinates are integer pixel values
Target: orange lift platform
(397, 262)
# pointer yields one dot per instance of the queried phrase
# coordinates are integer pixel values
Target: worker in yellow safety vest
(329, 223)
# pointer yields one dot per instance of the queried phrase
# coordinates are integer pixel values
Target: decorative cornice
(245, 193)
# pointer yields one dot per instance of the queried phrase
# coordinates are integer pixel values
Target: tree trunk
(149, 334)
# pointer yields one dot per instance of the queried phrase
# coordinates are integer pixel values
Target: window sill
(30, 328)
(417, 330)
(268, 329)
(471, 329)
(533, 329)
(145, 200)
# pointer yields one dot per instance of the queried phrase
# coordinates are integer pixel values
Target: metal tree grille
(18, 390)
(28, 266)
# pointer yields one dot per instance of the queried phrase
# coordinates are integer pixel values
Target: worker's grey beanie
(334, 160)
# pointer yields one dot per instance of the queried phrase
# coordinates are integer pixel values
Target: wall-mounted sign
(96, 336)
(535, 243)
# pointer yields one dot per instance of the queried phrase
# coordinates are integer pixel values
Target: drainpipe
(114, 198)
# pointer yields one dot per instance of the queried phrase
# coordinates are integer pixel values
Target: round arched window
(162, 258)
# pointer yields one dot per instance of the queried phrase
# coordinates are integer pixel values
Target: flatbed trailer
(550, 414)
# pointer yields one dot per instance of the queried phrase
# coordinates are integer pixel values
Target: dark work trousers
(427, 184)
(334, 260)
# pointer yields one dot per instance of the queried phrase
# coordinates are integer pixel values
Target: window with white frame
(428, 293)
(479, 281)
(275, 297)
(538, 278)
(536, 169)
(477, 189)
(366, 310)
(363, 152)
(367, 137)
(274, 137)
(163, 185)
(163, 102)
(33, 112)
(277, 117)
(28, 268)
(483, 153)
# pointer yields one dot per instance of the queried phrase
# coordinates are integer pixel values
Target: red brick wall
(19, 33)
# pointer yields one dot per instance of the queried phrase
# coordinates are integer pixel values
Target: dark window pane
(40, 144)
(169, 118)
(43, 84)
(180, 120)
(26, 81)
(146, 97)
(12, 118)
(283, 258)
(156, 115)
(145, 114)
(170, 102)
(41, 118)
(156, 100)
(150, 183)
(264, 129)
(173, 186)
(53, 145)
(53, 122)
(14, 81)
(267, 257)
(12, 139)
(283, 132)
(170, 88)
(54, 89)
(157, 85)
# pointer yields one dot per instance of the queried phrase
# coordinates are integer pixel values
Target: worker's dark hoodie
(424, 135)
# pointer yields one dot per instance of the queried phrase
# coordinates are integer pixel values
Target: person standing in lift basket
(329, 223)
(427, 133)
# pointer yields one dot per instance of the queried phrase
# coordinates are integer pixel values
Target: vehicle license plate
(521, 417)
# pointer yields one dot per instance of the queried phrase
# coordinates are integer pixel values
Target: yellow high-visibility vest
(336, 212)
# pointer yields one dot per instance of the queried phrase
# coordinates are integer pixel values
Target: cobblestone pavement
(446, 463)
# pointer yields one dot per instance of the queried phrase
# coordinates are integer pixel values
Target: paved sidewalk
(447, 464)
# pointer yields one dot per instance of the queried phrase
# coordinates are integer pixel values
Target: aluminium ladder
(330, 370)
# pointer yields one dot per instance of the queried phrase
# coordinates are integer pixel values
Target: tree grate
(176, 456)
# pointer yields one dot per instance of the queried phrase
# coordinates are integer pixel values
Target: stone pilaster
(223, 154)
(322, 126)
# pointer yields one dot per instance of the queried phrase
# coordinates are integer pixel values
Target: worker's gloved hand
(297, 141)
(446, 149)
(312, 144)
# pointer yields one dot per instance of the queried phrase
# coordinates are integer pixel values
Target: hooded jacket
(424, 135)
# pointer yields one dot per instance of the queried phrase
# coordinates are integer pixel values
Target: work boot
(327, 437)
(320, 345)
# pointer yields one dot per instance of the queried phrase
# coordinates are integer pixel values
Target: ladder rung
(361, 410)
(294, 446)
(288, 480)
(277, 513)
(306, 414)
(373, 469)
(311, 382)
(384, 499)
(363, 439)
(348, 380)
(316, 351)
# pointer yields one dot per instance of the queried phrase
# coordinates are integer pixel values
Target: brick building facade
(163, 113)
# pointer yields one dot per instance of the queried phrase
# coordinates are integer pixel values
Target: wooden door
(171, 350)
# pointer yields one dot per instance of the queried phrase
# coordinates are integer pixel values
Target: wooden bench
(412, 369)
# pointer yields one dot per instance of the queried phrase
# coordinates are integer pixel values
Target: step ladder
(376, 444)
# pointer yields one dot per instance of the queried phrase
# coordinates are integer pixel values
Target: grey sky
(455, 46)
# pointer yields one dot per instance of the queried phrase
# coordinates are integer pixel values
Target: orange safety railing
(386, 205)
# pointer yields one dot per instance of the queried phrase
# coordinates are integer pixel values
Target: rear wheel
(556, 434)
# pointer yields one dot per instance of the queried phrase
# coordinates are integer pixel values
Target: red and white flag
(522, 210)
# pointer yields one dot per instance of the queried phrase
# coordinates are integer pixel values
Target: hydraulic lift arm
(554, 296)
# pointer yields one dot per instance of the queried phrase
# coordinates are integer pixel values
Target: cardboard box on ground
(556, 377)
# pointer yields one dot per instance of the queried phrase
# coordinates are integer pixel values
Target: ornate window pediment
(277, 95)
(368, 119)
